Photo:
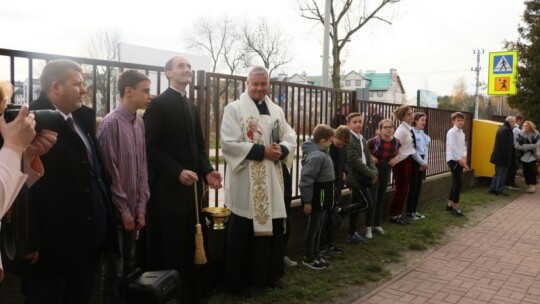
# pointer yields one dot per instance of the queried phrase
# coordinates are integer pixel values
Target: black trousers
(512, 169)
(74, 289)
(456, 170)
(358, 195)
(529, 172)
(415, 187)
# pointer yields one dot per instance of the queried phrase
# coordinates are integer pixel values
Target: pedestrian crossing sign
(503, 64)
(502, 73)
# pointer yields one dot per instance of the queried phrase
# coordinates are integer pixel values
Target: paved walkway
(497, 261)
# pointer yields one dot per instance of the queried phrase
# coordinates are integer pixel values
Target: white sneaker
(379, 230)
(288, 262)
(368, 233)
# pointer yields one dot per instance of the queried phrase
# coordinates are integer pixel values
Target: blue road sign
(503, 64)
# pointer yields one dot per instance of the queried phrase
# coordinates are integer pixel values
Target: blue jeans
(313, 233)
(499, 179)
(116, 266)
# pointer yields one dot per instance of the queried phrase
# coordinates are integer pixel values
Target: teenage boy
(362, 172)
(338, 153)
(121, 135)
(456, 158)
(317, 191)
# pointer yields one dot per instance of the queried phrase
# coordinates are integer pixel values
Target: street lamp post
(326, 44)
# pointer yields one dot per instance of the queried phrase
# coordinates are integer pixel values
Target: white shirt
(403, 133)
(456, 148)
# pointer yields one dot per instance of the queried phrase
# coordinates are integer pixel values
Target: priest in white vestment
(255, 139)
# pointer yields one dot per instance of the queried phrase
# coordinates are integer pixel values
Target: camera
(45, 119)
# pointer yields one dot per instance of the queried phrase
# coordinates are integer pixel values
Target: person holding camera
(19, 143)
(70, 219)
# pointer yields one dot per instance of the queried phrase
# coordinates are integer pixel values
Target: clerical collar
(262, 107)
(181, 93)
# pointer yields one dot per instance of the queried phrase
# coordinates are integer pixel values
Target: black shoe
(328, 254)
(449, 208)
(493, 192)
(398, 220)
(457, 212)
(337, 249)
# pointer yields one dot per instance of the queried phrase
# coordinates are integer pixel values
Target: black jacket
(58, 217)
(504, 145)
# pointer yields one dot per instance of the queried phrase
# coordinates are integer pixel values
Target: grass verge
(355, 272)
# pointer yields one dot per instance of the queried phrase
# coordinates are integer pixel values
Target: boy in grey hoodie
(316, 190)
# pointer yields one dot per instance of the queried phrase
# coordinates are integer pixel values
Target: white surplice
(254, 189)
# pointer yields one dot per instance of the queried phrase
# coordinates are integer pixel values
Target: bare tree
(346, 18)
(209, 36)
(221, 40)
(103, 44)
(269, 43)
(234, 54)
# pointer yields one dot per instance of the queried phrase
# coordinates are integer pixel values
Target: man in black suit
(70, 219)
(176, 160)
(501, 156)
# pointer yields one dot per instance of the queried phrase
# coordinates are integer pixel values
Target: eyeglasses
(388, 127)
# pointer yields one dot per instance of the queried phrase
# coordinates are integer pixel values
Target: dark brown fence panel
(305, 106)
(438, 123)
(100, 76)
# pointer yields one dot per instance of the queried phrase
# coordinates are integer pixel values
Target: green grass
(362, 264)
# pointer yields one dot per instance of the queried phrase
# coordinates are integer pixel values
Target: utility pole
(478, 52)
(326, 44)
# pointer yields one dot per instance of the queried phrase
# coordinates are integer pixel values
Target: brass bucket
(217, 216)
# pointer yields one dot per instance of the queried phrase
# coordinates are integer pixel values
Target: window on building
(370, 93)
(347, 83)
(358, 83)
(380, 93)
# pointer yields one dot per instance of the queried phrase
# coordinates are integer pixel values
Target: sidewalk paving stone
(496, 261)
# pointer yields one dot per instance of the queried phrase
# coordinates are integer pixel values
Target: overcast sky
(430, 42)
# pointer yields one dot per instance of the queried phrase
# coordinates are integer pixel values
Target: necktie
(413, 138)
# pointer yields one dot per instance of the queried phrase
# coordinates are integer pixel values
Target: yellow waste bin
(483, 139)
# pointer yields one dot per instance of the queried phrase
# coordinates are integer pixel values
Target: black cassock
(174, 142)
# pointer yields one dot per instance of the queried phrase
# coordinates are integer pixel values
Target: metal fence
(305, 106)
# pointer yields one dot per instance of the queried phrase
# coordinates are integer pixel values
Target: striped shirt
(121, 135)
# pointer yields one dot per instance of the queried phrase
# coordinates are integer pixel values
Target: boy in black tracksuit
(317, 191)
(338, 153)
